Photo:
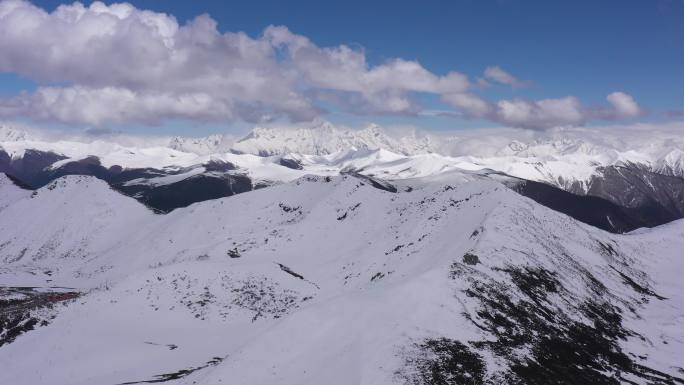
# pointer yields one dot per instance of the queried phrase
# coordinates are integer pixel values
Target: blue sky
(581, 47)
(585, 49)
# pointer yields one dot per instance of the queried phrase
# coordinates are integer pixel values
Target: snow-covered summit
(325, 138)
(563, 155)
(212, 144)
(12, 134)
(672, 163)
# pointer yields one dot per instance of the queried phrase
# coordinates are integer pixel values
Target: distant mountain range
(644, 182)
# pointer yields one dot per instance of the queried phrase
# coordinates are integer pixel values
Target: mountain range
(617, 187)
(452, 278)
(285, 258)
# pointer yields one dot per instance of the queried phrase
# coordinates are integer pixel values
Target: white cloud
(118, 53)
(540, 114)
(117, 64)
(624, 105)
(117, 105)
(471, 104)
(499, 75)
(385, 86)
(543, 114)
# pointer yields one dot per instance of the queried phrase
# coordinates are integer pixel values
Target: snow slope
(331, 280)
(10, 192)
(65, 224)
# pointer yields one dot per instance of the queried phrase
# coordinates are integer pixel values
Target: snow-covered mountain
(560, 158)
(66, 201)
(638, 172)
(671, 163)
(453, 278)
(12, 134)
(212, 144)
(325, 139)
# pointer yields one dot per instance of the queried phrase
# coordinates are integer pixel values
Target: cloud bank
(116, 64)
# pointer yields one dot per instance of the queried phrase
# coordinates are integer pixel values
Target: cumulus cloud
(384, 87)
(117, 105)
(473, 105)
(540, 114)
(123, 57)
(499, 75)
(117, 64)
(624, 105)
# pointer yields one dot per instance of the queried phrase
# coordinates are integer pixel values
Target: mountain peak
(12, 134)
(69, 182)
(212, 144)
(324, 138)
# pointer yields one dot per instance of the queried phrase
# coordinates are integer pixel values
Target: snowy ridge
(331, 280)
(110, 154)
(88, 214)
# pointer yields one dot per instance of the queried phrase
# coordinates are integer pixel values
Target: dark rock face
(88, 166)
(471, 259)
(652, 194)
(31, 168)
(19, 183)
(195, 189)
(218, 181)
(290, 163)
(591, 210)
(5, 161)
(124, 175)
(219, 166)
(17, 307)
(532, 325)
(445, 361)
(379, 184)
